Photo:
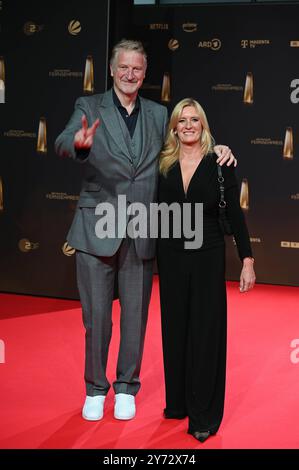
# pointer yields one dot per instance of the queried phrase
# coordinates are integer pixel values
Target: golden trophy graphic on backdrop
(1, 196)
(88, 86)
(248, 90)
(2, 92)
(288, 148)
(2, 80)
(244, 195)
(165, 94)
(42, 136)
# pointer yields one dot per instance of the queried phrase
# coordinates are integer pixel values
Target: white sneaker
(124, 407)
(93, 408)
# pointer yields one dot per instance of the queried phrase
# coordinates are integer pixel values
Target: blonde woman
(192, 281)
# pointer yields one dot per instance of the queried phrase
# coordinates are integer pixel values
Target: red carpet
(42, 387)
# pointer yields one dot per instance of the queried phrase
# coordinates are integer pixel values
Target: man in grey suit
(118, 136)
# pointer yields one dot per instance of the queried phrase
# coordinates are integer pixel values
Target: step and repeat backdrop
(239, 62)
(50, 53)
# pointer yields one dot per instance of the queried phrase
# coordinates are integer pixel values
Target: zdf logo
(295, 93)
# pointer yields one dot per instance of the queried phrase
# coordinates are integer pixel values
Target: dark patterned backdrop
(210, 53)
(48, 50)
(240, 62)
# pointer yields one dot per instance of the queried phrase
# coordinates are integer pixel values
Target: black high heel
(201, 436)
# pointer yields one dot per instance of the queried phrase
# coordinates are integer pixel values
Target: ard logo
(213, 44)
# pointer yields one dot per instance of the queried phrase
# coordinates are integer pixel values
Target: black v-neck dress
(193, 297)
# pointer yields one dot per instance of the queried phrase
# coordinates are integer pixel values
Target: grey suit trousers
(95, 277)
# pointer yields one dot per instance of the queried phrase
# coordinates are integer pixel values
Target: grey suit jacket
(110, 172)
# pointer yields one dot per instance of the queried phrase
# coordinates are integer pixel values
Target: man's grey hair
(127, 45)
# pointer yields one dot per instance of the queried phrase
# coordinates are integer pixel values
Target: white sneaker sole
(91, 419)
(124, 418)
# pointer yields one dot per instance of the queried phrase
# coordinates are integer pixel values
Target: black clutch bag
(224, 222)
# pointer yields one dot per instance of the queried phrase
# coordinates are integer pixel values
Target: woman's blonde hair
(170, 152)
